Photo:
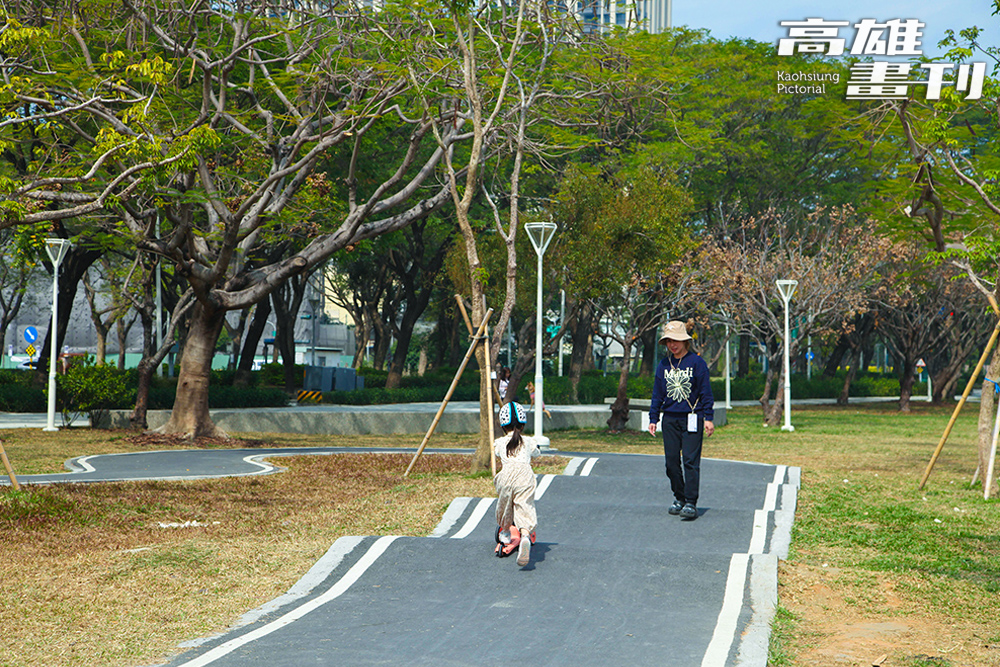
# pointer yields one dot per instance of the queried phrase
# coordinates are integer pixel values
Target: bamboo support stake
(958, 408)
(465, 314)
(489, 399)
(10, 470)
(451, 390)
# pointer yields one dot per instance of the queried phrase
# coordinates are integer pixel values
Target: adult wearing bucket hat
(683, 394)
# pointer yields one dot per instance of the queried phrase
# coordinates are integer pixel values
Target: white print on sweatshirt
(678, 382)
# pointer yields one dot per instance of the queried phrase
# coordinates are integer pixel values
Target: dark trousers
(682, 453)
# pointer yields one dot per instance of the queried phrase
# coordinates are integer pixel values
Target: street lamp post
(729, 388)
(729, 391)
(56, 249)
(541, 234)
(787, 289)
(562, 324)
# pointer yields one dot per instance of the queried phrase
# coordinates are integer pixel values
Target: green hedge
(163, 392)
(88, 388)
(594, 387)
(381, 396)
(17, 398)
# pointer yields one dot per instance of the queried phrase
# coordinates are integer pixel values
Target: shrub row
(17, 398)
(594, 387)
(381, 396)
(87, 388)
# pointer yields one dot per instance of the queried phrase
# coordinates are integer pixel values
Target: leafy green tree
(215, 122)
(623, 229)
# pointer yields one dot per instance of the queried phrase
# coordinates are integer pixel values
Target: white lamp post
(562, 323)
(729, 391)
(56, 249)
(787, 289)
(541, 234)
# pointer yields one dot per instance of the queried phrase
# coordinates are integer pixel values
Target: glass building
(652, 16)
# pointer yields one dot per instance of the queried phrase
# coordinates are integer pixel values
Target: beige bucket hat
(674, 330)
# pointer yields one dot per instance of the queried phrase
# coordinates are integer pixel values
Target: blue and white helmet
(513, 413)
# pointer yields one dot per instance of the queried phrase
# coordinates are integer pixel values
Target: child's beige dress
(515, 484)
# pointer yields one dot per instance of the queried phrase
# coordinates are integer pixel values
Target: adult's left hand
(709, 428)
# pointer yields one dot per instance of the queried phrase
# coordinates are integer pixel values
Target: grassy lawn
(879, 570)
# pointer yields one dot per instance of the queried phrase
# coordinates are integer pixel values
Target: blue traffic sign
(31, 334)
(810, 356)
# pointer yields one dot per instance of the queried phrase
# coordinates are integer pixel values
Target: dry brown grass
(97, 581)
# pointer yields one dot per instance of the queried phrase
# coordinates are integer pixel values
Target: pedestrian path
(613, 580)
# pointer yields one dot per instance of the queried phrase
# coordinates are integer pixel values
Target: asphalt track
(613, 579)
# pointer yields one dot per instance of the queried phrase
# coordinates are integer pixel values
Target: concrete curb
(395, 419)
(763, 585)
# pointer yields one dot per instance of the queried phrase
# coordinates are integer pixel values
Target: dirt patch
(150, 440)
(843, 620)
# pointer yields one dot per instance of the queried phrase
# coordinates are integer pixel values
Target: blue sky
(760, 20)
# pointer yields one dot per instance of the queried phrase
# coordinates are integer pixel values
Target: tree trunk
(986, 418)
(618, 421)
(190, 416)
(765, 397)
(906, 377)
(122, 328)
(416, 304)
(144, 380)
(284, 341)
(839, 350)
(484, 448)
(361, 337)
(581, 335)
(251, 340)
(395, 377)
(944, 383)
(649, 340)
(286, 301)
(743, 357)
(852, 371)
(150, 360)
(774, 411)
(383, 338)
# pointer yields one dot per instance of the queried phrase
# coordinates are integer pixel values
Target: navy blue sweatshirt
(681, 386)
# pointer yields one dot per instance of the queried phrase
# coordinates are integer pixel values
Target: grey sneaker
(675, 509)
(689, 511)
(524, 550)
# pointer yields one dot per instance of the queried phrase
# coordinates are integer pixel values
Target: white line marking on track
(316, 575)
(573, 464)
(82, 462)
(265, 467)
(732, 603)
(334, 592)
(477, 514)
(455, 510)
(771, 496)
(588, 467)
(543, 486)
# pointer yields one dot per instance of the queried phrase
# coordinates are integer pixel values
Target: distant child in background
(515, 485)
(531, 395)
(503, 381)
